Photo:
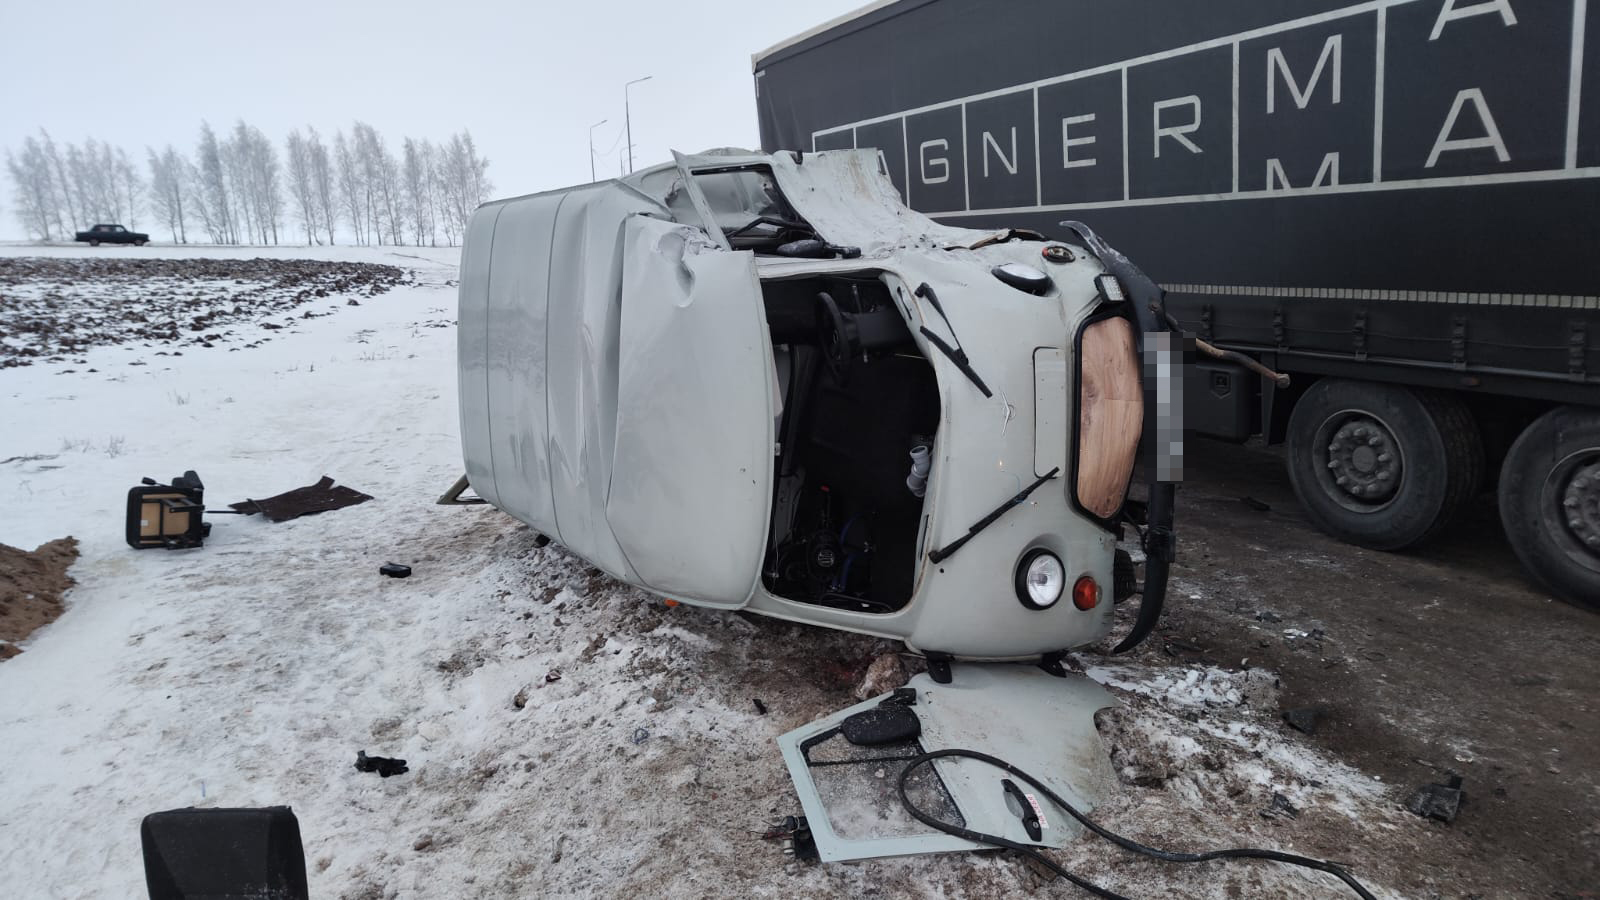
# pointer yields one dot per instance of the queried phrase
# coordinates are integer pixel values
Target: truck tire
(138, 243)
(1550, 502)
(94, 243)
(1380, 465)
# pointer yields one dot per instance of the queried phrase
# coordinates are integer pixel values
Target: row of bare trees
(236, 187)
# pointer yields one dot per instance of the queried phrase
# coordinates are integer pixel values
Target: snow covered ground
(566, 734)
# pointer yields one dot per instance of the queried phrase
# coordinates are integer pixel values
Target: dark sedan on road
(112, 234)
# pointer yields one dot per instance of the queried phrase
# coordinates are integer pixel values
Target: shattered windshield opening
(742, 198)
(752, 213)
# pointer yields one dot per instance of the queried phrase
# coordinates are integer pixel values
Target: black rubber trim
(1146, 304)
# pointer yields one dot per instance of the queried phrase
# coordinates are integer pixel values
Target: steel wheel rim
(1569, 506)
(1358, 462)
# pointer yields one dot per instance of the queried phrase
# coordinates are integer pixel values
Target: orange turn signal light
(1085, 593)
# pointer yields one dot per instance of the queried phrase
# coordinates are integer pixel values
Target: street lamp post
(592, 176)
(628, 118)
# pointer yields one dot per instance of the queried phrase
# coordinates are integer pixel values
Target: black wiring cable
(1119, 840)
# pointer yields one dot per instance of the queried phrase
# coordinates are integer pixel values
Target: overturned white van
(761, 381)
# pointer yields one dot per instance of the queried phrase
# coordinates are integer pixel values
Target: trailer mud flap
(846, 767)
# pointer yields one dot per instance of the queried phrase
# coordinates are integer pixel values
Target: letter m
(1332, 48)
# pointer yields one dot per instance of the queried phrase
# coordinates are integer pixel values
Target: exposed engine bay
(860, 408)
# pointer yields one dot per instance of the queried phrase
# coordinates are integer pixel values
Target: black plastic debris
(640, 735)
(306, 501)
(383, 765)
(1268, 616)
(883, 724)
(395, 570)
(1438, 801)
(761, 708)
(1279, 808)
(1303, 719)
(223, 853)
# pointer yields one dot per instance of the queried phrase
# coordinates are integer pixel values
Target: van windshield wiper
(949, 550)
(955, 354)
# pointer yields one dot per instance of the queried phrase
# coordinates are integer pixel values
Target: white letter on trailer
(1177, 132)
(922, 154)
(1449, 13)
(1067, 143)
(1491, 137)
(989, 141)
(1329, 168)
(1333, 46)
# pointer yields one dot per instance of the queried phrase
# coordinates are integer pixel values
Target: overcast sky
(526, 78)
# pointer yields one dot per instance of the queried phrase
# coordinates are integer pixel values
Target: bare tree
(129, 186)
(418, 175)
(216, 208)
(258, 160)
(376, 178)
(352, 188)
(80, 179)
(33, 189)
(235, 165)
(61, 196)
(322, 183)
(390, 194)
(298, 158)
(169, 190)
(463, 180)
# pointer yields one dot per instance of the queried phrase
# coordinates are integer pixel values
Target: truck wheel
(1550, 502)
(138, 243)
(1382, 466)
(94, 243)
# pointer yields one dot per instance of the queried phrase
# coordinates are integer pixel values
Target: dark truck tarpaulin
(1392, 202)
(1265, 152)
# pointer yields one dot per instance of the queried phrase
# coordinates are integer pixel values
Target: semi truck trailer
(1393, 202)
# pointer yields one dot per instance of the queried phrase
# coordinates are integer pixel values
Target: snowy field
(566, 735)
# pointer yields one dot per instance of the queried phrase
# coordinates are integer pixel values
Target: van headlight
(1040, 579)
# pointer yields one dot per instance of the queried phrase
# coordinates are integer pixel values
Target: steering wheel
(837, 335)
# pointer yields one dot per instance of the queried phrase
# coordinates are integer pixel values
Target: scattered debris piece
(520, 701)
(1303, 719)
(33, 457)
(1268, 616)
(552, 676)
(1255, 504)
(1173, 646)
(167, 515)
(1438, 801)
(557, 846)
(422, 843)
(395, 570)
(795, 836)
(640, 735)
(305, 501)
(1280, 808)
(761, 708)
(31, 585)
(385, 766)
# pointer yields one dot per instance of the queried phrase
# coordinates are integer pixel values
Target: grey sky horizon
(527, 79)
